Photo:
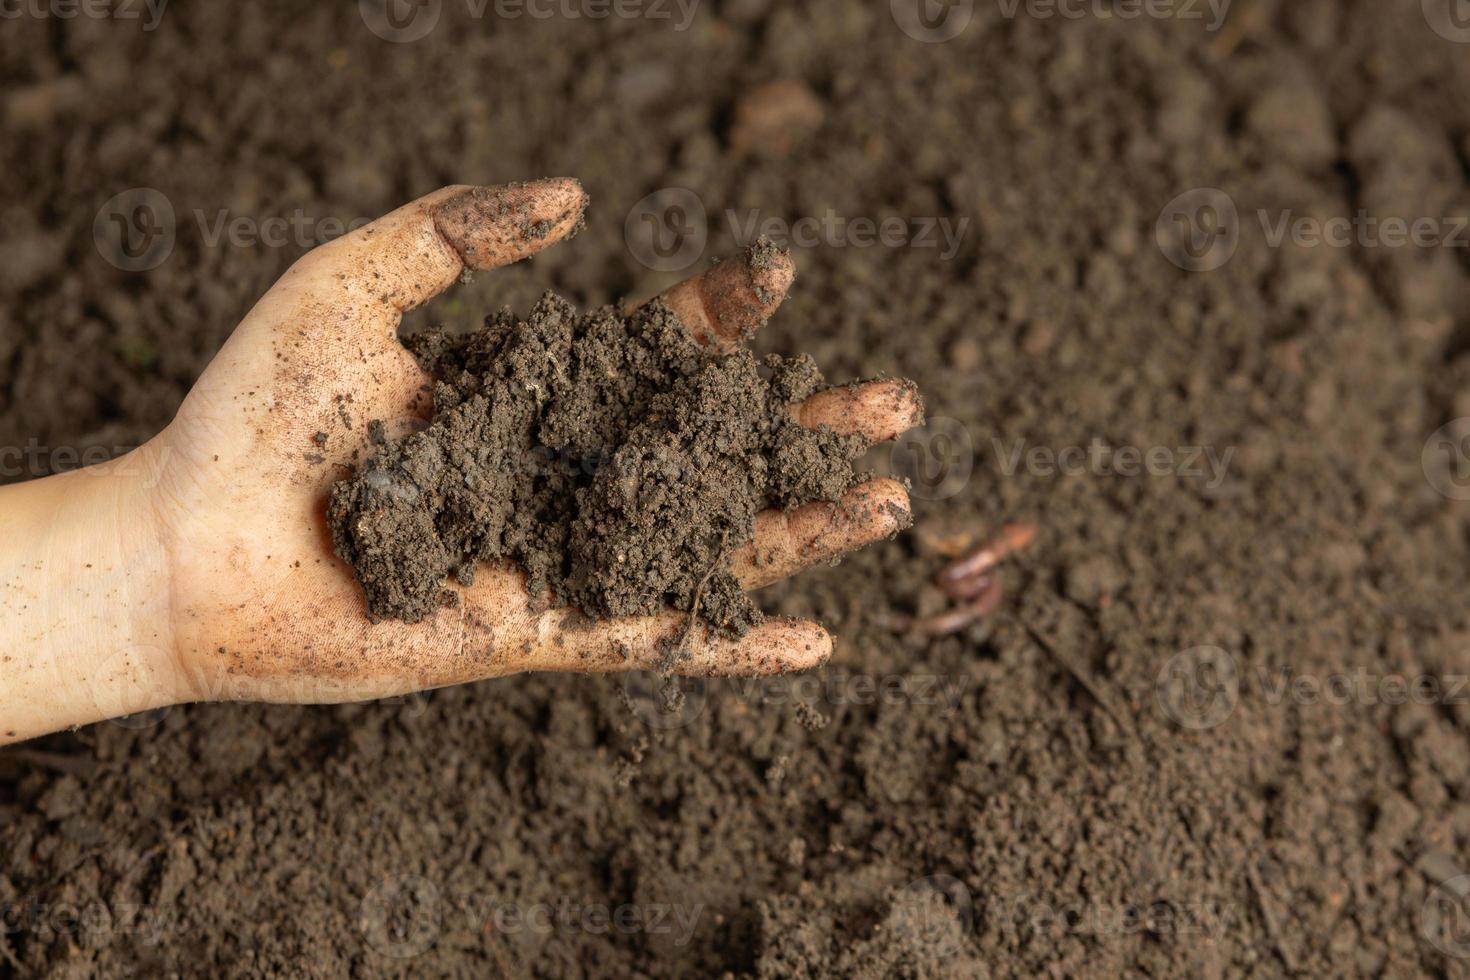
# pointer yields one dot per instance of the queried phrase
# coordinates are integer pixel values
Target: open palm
(261, 607)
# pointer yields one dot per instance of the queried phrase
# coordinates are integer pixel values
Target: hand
(223, 560)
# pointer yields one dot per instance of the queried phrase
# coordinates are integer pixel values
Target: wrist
(138, 633)
(85, 610)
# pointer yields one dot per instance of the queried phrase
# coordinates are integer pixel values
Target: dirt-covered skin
(1020, 803)
(613, 458)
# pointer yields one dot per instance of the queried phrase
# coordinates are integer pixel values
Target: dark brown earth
(612, 457)
(1072, 788)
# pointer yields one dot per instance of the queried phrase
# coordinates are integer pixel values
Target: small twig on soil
(9, 956)
(1272, 926)
(143, 862)
(1248, 24)
(72, 764)
(498, 953)
(1081, 677)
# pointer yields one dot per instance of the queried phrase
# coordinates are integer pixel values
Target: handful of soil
(615, 459)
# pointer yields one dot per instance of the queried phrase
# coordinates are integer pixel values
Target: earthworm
(1012, 538)
(966, 581)
(969, 588)
(982, 604)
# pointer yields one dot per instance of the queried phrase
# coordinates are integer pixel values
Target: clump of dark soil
(614, 458)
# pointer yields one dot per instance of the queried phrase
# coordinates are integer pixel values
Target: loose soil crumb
(615, 459)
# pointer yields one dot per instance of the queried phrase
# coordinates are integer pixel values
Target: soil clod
(612, 457)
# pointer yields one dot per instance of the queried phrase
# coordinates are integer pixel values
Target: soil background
(1019, 801)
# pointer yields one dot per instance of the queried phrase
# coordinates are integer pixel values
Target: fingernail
(910, 394)
(494, 226)
(771, 271)
(742, 293)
